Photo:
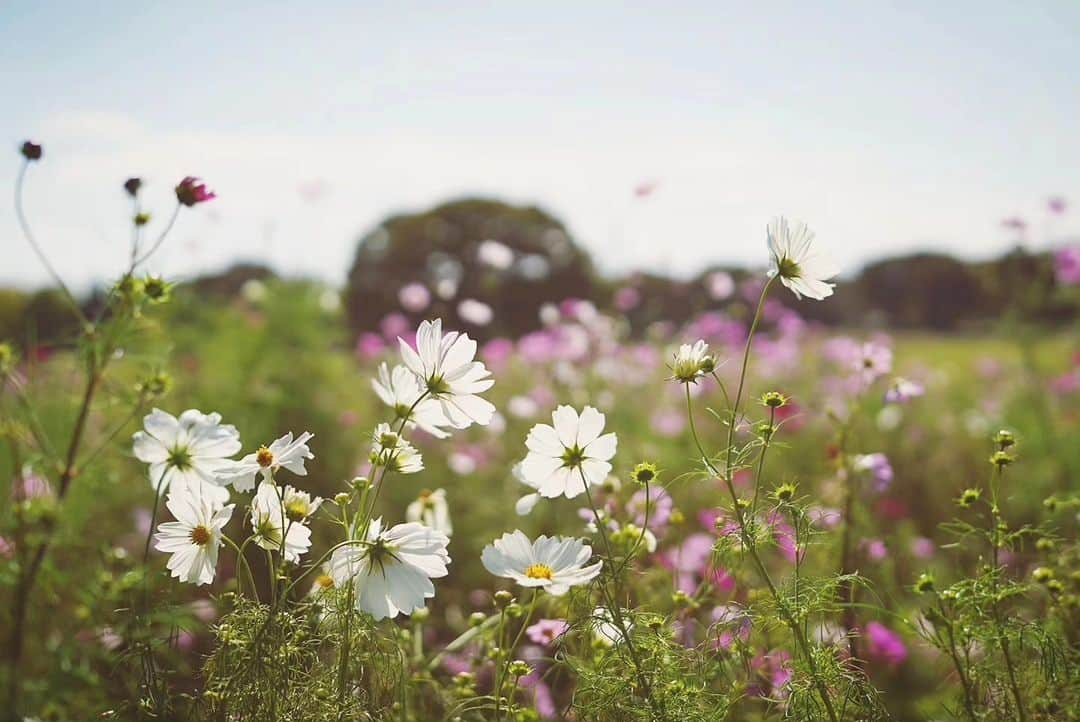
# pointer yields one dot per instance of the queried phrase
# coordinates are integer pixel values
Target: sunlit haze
(664, 136)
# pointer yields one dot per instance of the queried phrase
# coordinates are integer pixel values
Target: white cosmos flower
(795, 261)
(552, 563)
(604, 629)
(563, 458)
(300, 505)
(187, 451)
(392, 574)
(193, 539)
(270, 521)
(399, 389)
(431, 509)
(283, 453)
(692, 362)
(445, 368)
(394, 452)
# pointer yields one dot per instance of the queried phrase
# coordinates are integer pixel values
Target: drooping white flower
(270, 522)
(691, 362)
(193, 539)
(399, 389)
(392, 574)
(552, 563)
(571, 453)
(187, 451)
(394, 452)
(431, 509)
(795, 261)
(445, 367)
(604, 629)
(285, 453)
(300, 505)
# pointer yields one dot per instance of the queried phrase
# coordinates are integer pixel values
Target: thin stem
(969, 706)
(616, 609)
(242, 561)
(161, 239)
(24, 224)
(505, 669)
(1003, 642)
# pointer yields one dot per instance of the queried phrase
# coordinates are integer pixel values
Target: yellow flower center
(539, 571)
(200, 535)
(297, 510)
(325, 581)
(264, 456)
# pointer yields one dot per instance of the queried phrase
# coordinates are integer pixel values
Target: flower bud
(1001, 459)
(31, 151)
(503, 598)
(1042, 575)
(132, 186)
(1004, 439)
(421, 615)
(519, 668)
(924, 584)
(969, 497)
(360, 484)
(141, 219)
(476, 619)
(785, 493)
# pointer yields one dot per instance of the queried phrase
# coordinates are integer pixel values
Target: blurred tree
(511, 259)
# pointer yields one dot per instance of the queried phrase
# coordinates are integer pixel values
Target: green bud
(969, 497)
(785, 493)
(476, 619)
(1001, 459)
(503, 598)
(1004, 439)
(644, 473)
(1042, 575)
(342, 498)
(421, 615)
(924, 584)
(519, 668)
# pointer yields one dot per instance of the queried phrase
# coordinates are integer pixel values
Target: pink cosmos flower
(878, 466)
(191, 191)
(885, 645)
(922, 548)
(875, 549)
(874, 361)
(1067, 266)
(394, 325)
(370, 346)
(1056, 205)
(497, 352)
(547, 631)
(627, 298)
(660, 507)
(668, 423)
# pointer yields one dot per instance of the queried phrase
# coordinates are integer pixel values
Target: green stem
(616, 609)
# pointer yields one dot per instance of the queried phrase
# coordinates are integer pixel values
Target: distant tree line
(488, 267)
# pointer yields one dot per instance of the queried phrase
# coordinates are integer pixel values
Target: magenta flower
(731, 622)
(192, 191)
(885, 645)
(1056, 205)
(1067, 266)
(547, 631)
(627, 298)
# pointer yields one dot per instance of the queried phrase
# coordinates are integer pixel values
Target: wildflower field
(236, 508)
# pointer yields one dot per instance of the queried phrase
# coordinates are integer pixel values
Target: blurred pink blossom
(545, 632)
(370, 346)
(885, 645)
(414, 297)
(1067, 266)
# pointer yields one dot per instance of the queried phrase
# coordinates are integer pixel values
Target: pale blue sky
(887, 127)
